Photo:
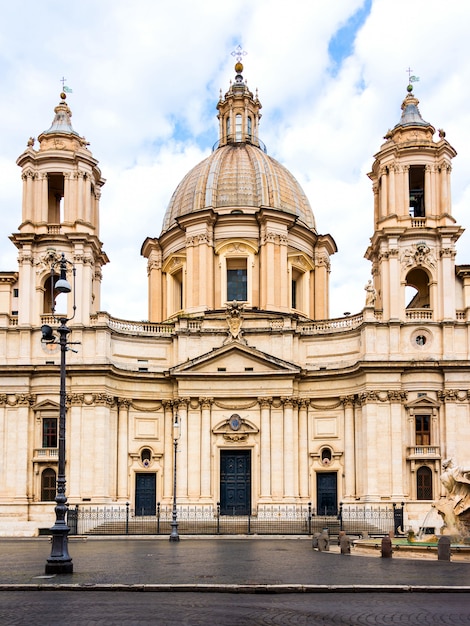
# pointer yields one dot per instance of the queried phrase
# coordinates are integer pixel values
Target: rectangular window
(237, 287)
(294, 294)
(49, 432)
(423, 430)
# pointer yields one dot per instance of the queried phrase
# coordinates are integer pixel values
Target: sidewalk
(241, 565)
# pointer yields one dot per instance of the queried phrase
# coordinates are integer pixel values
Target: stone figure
(371, 294)
(454, 507)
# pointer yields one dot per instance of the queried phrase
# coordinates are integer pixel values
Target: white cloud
(139, 70)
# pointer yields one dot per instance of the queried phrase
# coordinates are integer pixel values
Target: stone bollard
(324, 541)
(387, 548)
(443, 548)
(344, 543)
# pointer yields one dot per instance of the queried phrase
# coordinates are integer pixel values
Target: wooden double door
(235, 482)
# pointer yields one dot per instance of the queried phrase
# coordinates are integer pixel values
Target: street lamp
(59, 561)
(174, 522)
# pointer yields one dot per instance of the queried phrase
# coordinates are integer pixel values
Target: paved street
(56, 608)
(226, 581)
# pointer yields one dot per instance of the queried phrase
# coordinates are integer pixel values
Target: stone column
(168, 450)
(87, 199)
(193, 448)
(288, 456)
(74, 434)
(182, 454)
(206, 457)
(23, 469)
(349, 448)
(303, 449)
(43, 208)
(406, 187)
(394, 287)
(428, 195)
(396, 399)
(391, 190)
(383, 191)
(370, 444)
(104, 460)
(123, 449)
(265, 448)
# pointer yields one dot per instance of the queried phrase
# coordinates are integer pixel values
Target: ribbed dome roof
(241, 176)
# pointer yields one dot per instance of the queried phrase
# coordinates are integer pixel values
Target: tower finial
(411, 79)
(239, 53)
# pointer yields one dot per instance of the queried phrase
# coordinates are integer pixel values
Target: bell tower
(412, 249)
(60, 215)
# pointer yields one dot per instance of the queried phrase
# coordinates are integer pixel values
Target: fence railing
(208, 520)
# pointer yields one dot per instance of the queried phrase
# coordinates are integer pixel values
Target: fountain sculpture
(454, 507)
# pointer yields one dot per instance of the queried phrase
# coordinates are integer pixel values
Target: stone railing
(46, 454)
(331, 326)
(423, 452)
(419, 314)
(140, 328)
(418, 222)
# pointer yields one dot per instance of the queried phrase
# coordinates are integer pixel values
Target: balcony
(45, 455)
(423, 452)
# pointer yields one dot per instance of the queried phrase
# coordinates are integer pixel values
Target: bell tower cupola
(412, 249)
(239, 111)
(60, 215)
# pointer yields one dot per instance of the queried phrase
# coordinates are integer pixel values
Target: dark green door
(145, 494)
(327, 498)
(235, 482)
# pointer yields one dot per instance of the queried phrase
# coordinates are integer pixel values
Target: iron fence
(207, 520)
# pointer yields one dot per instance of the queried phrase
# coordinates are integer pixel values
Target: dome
(238, 176)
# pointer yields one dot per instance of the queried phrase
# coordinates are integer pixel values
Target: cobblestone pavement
(20, 608)
(226, 582)
(217, 562)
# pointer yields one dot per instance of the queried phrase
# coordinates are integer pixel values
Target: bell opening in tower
(55, 192)
(416, 186)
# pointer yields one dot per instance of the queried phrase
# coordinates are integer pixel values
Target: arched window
(238, 127)
(424, 484)
(417, 289)
(48, 485)
(249, 127)
(227, 127)
(237, 285)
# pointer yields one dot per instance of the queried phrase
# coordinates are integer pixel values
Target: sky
(146, 77)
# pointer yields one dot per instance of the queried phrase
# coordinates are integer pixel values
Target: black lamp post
(174, 536)
(59, 561)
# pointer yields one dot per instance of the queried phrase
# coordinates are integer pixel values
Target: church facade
(275, 403)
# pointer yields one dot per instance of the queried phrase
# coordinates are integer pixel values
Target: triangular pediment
(236, 358)
(423, 402)
(46, 405)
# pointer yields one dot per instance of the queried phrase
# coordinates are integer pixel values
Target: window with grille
(48, 485)
(424, 484)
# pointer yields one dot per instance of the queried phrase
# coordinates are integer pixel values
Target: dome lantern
(239, 110)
